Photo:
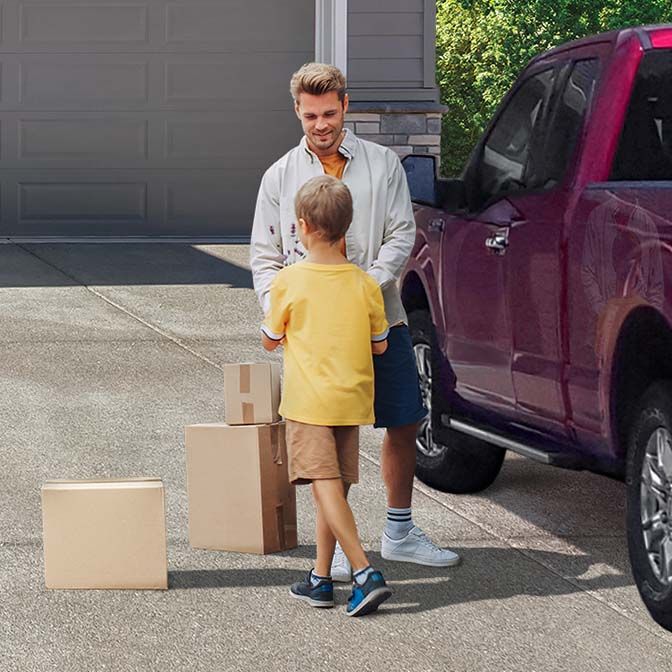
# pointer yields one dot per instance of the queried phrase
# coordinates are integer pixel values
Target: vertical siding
(388, 44)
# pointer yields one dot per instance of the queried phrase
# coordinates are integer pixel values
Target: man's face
(322, 119)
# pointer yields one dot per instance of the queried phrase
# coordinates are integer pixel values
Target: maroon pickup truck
(539, 290)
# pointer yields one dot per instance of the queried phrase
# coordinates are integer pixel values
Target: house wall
(392, 74)
(391, 50)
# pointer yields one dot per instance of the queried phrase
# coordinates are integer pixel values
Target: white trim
(380, 337)
(272, 335)
(331, 33)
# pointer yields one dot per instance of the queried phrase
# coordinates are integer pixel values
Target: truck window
(645, 147)
(566, 124)
(503, 161)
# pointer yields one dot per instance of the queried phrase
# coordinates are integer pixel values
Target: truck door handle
(498, 242)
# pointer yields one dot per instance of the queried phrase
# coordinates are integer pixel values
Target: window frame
(632, 182)
(563, 66)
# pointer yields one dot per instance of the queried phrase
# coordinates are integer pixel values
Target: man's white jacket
(382, 233)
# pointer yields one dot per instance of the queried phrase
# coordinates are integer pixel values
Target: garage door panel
(233, 26)
(72, 24)
(147, 82)
(129, 203)
(218, 79)
(119, 202)
(158, 26)
(81, 139)
(199, 140)
(83, 81)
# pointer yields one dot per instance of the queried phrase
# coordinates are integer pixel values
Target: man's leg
(398, 464)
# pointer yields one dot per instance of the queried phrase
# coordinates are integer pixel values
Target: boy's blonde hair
(325, 204)
(317, 79)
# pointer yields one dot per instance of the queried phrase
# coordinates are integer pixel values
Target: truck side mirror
(421, 173)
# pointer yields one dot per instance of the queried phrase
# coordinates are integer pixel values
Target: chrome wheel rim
(656, 504)
(424, 440)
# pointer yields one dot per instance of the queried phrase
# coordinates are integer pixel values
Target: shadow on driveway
(64, 265)
(485, 574)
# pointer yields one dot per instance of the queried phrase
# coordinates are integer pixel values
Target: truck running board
(555, 459)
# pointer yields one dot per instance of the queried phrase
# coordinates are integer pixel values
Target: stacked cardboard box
(240, 498)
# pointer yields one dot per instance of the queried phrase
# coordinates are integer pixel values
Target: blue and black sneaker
(320, 594)
(368, 597)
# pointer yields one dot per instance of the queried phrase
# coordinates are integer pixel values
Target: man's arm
(266, 257)
(399, 227)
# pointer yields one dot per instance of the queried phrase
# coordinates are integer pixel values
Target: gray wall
(144, 117)
(391, 50)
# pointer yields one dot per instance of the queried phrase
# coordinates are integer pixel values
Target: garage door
(144, 118)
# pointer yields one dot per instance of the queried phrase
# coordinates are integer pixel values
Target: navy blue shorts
(397, 400)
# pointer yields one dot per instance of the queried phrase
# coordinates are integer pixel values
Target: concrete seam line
(154, 328)
(591, 593)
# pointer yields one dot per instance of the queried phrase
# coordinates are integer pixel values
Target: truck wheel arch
(642, 354)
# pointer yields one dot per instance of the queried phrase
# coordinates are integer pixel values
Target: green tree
(482, 45)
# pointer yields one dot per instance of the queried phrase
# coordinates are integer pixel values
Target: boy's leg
(326, 542)
(334, 508)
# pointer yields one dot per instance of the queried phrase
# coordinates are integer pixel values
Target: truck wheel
(649, 500)
(445, 459)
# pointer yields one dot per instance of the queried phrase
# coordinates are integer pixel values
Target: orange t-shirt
(334, 164)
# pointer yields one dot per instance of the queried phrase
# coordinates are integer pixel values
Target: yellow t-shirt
(328, 315)
(334, 164)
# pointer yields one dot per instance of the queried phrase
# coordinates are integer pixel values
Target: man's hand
(378, 347)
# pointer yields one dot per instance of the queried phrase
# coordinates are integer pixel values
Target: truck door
(474, 262)
(534, 256)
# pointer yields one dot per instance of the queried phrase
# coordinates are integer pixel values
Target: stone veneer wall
(404, 131)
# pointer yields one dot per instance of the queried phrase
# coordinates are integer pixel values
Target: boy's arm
(378, 347)
(275, 322)
(379, 326)
(270, 344)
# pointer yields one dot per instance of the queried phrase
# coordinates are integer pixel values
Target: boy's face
(322, 118)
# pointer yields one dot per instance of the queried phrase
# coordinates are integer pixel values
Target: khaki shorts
(316, 452)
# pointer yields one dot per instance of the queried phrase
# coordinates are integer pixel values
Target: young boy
(330, 317)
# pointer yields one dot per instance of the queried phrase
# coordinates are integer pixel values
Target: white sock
(315, 579)
(362, 575)
(399, 522)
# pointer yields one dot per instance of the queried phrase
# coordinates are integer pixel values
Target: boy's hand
(378, 347)
(269, 344)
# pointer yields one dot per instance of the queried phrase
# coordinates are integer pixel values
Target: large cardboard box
(252, 393)
(105, 534)
(240, 498)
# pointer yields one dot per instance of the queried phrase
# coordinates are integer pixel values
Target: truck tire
(649, 500)
(445, 459)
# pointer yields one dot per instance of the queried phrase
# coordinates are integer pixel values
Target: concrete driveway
(108, 351)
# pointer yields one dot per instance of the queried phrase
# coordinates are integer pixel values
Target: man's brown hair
(325, 204)
(317, 79)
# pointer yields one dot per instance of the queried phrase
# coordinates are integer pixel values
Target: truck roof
(653, 36)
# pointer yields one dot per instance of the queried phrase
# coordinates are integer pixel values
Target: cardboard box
(105, 534)
(252, 393)
(240, 498)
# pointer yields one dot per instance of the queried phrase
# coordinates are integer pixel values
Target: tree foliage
(482, 45)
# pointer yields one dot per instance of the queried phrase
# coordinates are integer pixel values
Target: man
(379, 241)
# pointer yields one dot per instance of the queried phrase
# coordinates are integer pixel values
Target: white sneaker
(341, 569)
(418, 548)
